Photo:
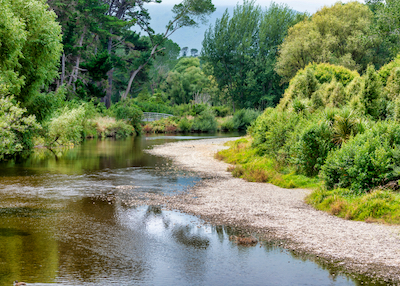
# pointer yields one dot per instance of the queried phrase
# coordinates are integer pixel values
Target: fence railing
(154, 116)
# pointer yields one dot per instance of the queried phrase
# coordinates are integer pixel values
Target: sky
(310, 6)
(193, 37)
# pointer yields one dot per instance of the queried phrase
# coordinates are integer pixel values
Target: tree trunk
(135, 72)
(110, 74)
(62, 69)
(74, 74)
(133, 75)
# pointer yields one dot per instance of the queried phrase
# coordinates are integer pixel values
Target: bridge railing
(154, 116)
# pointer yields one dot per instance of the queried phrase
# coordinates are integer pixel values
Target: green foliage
(43, 105)
(393, 84)
(385, 71)
(335, 35)
(185, 125)
(247, 74)
(109, 127)
(252, 167)
(30, 46)
(66, 127)
(371, 91)
(187, 82)
(322, 83)
(272, 130)
(244, 118)
(129, 111)
(221, 111)
(14, 127)
(377, 206)
(312, 147)
(368, 160)
(206, 122)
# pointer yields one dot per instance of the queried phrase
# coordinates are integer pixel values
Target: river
(55, 230)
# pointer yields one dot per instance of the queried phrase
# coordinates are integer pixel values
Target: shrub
(44, 104)
(185, 125)
(393, 84)
(243, 118)
(221, 111)
(205, 122)
(164, 125)
(312, 147)
(272, 129)
(227, 124)
(368, 160)
(314, 77)
(129, 111)
(371, 91)
(66, 127)
(386, 70)
(15, 128)
(109, 127)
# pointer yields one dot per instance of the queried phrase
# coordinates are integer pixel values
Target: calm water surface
(54, 230)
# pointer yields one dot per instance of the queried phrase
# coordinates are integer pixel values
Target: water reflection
(54, 230)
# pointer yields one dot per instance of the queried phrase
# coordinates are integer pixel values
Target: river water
(53, 229)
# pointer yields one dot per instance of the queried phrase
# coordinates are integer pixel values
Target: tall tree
(338, 35)
(385, 29)
(30, 47)
(187, 14)
(242, 51)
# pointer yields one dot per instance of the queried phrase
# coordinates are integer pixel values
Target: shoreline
(279, 214)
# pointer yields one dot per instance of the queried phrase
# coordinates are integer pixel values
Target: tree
(242, 51)
(30, 47)
(194, 52)
(336, 35)
(13, 127)
(187, 14)
(386, 28)
(187, 82)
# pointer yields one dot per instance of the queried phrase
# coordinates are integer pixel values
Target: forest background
(328, 85)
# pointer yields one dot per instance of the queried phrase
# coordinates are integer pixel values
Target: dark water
(53, 230)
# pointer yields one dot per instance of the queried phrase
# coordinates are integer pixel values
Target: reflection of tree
(27, 248)
(183, 235)
(91, 155)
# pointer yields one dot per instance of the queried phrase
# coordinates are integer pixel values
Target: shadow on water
(53, 230)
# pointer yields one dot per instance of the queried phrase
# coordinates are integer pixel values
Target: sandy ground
(281, 214)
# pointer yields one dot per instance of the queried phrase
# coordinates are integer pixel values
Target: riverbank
(281, 214)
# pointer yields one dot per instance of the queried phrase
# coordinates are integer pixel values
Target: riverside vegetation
(70, 70)
(334, 131)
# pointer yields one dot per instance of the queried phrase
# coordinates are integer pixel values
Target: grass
(255, 168)
(378, 205)
(375, 206)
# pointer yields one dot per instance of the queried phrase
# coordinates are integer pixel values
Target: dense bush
(66, 127)
(319, 77)
(205, 122)
(222, 111)
(368, 160)
(385, 71)
(14, 126)
(109, 127)
(272, 130)
(43, 105)
(129, 111)
(185, 125)
(243, 118)
(311, 147)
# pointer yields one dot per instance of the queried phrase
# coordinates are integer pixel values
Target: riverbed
(71, 217)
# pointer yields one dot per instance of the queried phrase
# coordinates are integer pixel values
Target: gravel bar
(281, 214)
